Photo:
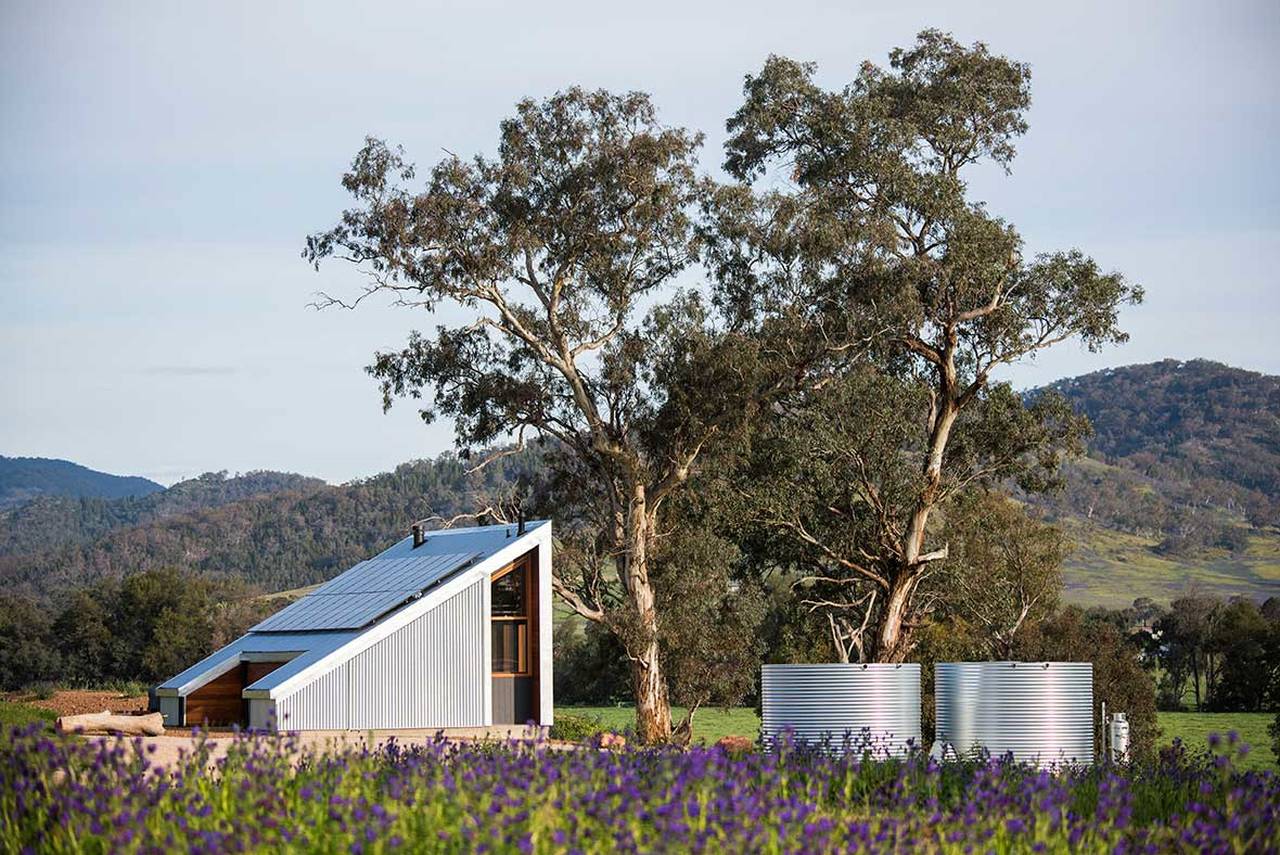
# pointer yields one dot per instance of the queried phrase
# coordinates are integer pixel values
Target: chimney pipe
(419, 537)
(520, 521)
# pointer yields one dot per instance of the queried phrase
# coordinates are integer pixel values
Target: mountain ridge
(1165, 499)
(25, 478)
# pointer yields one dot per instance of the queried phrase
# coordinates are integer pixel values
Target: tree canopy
(921, 295)
(564, 251)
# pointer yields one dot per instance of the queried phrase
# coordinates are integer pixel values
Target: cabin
(445, 629)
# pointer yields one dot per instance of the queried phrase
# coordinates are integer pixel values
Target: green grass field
(1110, 568)
(13, 713)
(1192, 728)
(708, 724)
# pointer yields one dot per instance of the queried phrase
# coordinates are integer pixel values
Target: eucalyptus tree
(563, 253)
(875, 246)
(1004, 571)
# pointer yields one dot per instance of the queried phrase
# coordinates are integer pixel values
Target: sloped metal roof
(365, 593)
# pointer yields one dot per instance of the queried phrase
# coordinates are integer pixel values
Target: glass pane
(509, 640)
(509, 598)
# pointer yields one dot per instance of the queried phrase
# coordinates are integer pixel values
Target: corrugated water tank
(821, 702)
(1041, 712)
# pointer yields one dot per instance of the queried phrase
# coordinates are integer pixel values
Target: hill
(25, 478)
(280, 540)
(1179, 488)
(49, 522)
(1181, 485)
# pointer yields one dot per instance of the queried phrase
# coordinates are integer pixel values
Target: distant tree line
(145, 627)
(1211, 653)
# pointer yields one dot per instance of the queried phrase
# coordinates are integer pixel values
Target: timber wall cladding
(255, 671)
(219, 701)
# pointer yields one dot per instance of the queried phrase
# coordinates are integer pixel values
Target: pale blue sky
(161, 163)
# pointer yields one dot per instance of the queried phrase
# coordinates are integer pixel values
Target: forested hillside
(276, 541)
(25, 478)
(50, 522)
(1179, 487)
(1181, 484)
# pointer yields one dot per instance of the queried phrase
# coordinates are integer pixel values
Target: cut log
(151, 724)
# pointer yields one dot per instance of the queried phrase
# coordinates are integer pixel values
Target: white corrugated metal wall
(430, 673)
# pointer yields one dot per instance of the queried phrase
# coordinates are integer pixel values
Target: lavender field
(67, 795)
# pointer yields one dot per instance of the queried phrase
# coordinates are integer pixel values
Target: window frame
(524, 646)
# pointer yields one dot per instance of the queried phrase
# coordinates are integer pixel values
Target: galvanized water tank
(817, 702)
(1042, 712)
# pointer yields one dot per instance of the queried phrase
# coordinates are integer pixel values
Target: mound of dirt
(79, 702)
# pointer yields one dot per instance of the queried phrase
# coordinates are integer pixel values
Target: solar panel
(365, 593)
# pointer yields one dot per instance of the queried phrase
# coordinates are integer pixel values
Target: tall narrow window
(509, 602)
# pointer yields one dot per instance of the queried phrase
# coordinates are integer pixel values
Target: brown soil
(78, 702)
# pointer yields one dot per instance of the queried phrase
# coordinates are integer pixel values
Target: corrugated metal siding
(1039, 711)
(430, 673)
(819, 702)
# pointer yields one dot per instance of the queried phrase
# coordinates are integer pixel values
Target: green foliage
(26, 652)
(1004, 570)
(42, 690)
(573, 727)
(710, 629)
(918, 295)
(1223, 655)
(147, 627)
(590, 665)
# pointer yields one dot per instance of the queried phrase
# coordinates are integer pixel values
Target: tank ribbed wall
(820, 702)
(1038, 711)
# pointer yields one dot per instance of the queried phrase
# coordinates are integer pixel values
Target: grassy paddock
(1192, 728)
(13, 713)
(708, 724)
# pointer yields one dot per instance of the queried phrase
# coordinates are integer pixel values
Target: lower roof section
(300, 649)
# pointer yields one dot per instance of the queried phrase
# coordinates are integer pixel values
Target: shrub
(577, 728)
(42, 689)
